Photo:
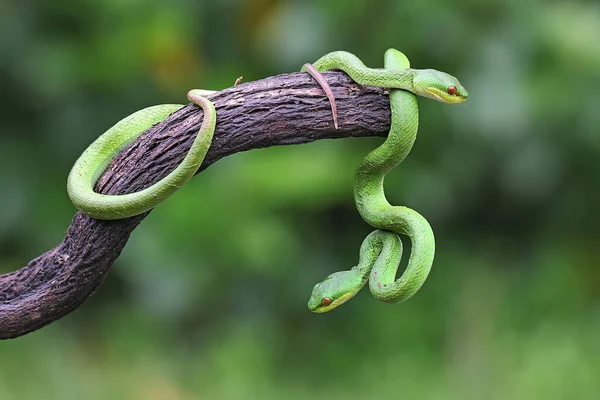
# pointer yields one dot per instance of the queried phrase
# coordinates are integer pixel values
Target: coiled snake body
(381, 250)
(97, 157)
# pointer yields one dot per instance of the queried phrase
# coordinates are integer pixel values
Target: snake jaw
(439, 95)
(338, 287)
(321, 308)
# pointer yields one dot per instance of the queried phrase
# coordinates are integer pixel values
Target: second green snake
(381, 250)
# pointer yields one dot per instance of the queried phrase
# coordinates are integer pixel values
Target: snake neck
(401, 78)
(386, 78)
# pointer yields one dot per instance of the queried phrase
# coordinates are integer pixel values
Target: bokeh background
(208, 300)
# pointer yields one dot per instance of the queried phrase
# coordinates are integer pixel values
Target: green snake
(381, 251)
(96, 158)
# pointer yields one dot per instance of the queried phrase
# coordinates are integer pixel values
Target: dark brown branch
(280, 110)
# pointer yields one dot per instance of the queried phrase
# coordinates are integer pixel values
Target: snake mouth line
(445, 98)
(318, 308)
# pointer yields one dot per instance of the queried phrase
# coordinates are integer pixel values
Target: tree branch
(280, 110)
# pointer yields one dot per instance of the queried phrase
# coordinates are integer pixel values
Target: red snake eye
(452, 90)
(326, 301)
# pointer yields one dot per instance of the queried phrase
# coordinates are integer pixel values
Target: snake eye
(326, 301)
(452, 90)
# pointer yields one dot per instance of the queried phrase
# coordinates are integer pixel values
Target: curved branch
(280, 110)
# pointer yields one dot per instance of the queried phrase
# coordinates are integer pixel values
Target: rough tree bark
(280, 110)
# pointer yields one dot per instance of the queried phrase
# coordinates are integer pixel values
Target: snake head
(335, 290)
(439, 86)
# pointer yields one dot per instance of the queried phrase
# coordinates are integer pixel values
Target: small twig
(315, 73)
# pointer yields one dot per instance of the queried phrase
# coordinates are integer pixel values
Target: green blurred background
(210, 304)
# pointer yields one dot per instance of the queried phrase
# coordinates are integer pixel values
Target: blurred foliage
(208, 300)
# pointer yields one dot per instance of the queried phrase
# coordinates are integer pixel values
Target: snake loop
(96, 158)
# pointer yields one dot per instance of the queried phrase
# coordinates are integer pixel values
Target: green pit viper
(381, 250)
